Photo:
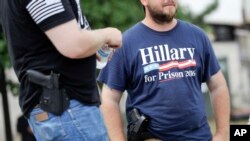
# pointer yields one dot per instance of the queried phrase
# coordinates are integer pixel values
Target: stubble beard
(160, 17)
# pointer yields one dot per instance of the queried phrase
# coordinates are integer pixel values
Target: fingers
(111, 54)
(115, 38)
(97, 57)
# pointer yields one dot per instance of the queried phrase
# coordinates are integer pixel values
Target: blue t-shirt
(162, 73)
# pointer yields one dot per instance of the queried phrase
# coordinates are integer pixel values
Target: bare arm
(111, 113)
(73, 42)
(221, 105)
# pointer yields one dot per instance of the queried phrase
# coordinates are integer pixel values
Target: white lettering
(182, 50)
(161, 53)
(239, 132)
(170, 75)
(174, 54)
(191, 52)
(149, 78)
(144, 55)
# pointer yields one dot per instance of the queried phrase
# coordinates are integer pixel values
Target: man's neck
(159, 27)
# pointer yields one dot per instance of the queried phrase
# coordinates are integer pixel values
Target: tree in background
(5, 63)
(120, 14)
(123, 14)
(4, 57)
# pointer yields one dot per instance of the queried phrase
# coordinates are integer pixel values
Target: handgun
(53, 99)
(48, 81)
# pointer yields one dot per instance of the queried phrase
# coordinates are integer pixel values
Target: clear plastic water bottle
(103, 54)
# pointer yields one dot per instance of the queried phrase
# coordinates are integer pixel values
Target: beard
(161, 17)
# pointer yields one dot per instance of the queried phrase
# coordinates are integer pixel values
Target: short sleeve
(211, 64)
(114, 74)
(49, 13)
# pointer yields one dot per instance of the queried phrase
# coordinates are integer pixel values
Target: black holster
(54, 101)
(53, 98)
(137, 127)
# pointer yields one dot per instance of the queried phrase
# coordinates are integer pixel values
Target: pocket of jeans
(50, 129)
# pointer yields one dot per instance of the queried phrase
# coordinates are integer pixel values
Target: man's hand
(114, 37)
(220, 137)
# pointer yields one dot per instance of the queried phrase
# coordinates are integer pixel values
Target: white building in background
(232, 47)
(228, 12)
(246, 9)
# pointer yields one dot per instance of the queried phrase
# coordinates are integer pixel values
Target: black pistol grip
(39, 78)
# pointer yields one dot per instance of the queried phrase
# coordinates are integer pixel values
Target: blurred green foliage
(4, 57)
(120, 14)
(123, 14)
(115, 13)
(5, 62)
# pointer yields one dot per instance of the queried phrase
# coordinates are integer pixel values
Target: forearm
(87, 43)
(75, 43)
(91, 40)
(221, 105)
(112, 117)
(221, 108)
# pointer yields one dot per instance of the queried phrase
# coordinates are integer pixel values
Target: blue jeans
(78, 123)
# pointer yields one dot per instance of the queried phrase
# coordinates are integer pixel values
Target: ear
(143, 2)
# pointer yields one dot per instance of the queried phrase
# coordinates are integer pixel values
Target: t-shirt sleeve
(211, 64)
(114, 74)
(49, 13)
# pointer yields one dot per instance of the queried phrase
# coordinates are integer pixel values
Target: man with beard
(162, 64)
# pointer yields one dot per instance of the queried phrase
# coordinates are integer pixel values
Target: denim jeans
(78, 123)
